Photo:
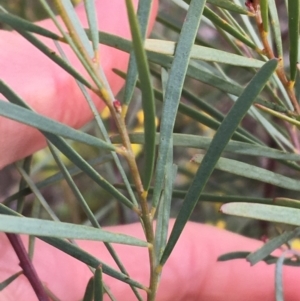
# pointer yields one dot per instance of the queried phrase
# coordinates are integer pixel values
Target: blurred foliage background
(109, 211)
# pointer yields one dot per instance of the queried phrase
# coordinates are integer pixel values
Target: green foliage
(230, 96)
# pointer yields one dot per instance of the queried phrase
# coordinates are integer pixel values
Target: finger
(48, 88)
(191, 273)
(234, 280)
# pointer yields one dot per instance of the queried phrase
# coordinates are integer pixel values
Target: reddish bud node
(117, 105)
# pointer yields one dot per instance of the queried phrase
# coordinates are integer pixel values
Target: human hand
(191, 273)
(47, 88)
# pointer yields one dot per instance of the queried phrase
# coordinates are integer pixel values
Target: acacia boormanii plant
(265, 93)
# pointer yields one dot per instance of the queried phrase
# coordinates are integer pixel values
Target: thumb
(49, 89)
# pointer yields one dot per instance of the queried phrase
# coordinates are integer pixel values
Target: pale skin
(192, 271)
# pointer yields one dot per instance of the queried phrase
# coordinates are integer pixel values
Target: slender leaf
(276, 214)
(268, 260)
(38, 227)
(98, 285)
(279, 272)
(78, 253)
(214, 80)
(233, 255)
(294, 23)
(20, 24)
(279, 115)
(91, 13)
(297, 86)
(200, 142)
(215, 150)
(278, 278)
(272, 245)
(175, 25)
(89, 290)
(112, 40)
(163, 216)
(229, 5)
(204, 53)
(276, 27)
(37, 193)
(226, 4)
(218, 21)
(234, 22)
(174, 87)
(76, 192)
(9, 280)
(286, 202)
(253, 172)
(218, 198)
(56, 178)
(213, 112)
(208, 121)
(23, 184)
(147, 95)
(143, 13)
(48, 125)
(164, 75)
